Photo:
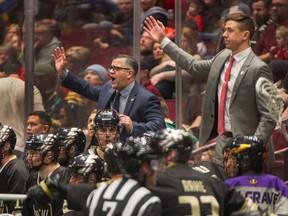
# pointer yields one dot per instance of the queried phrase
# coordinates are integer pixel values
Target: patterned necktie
(221, 108)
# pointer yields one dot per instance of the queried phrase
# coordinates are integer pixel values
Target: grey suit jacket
(249, 112)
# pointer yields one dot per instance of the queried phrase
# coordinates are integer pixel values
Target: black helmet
(106, 118)
(86, 165)
(110, 157)
(135, 152)
(175, 139)
(7, 134)
(44, 143)
(249, 153)
(73, 136)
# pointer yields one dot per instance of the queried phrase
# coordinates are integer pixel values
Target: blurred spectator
(165, 87)
(192, 114)
(11, 11)
(151, 8)
(66, 14)
(97, 75)
(11, 31)
(211, 16)
(44, 9)
(279, 54)
(194, 13)
(235, 6)
(279, 12)
(2, 54)
(45, 81)
(12, 94)
(121, 33)
(261, 15)
(77, 58)
(100, 14)
(89, 130)
(45, 42)
(67, 109)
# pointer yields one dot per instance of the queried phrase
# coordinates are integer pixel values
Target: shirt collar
(243, 54)
(126, 91)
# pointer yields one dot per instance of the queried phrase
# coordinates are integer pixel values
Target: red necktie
(221, 108)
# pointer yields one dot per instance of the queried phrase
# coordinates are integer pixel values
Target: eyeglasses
(117, 68)
(278, 5)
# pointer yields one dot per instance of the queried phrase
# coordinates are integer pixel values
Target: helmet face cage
(175, 139)
(72, 137)
(50, 144)
(7, 134)
(87, 166)
(248, 154)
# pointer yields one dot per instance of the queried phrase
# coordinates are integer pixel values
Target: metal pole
(30, 6)
(136, 35)
(178, 78)
(13, 196)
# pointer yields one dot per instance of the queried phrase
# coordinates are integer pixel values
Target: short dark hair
(267, 3)
(246, 22)
(11, 67)
(129, 61)
(44, 117)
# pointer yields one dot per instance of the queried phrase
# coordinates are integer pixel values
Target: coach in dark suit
(139, 109)
(246, 111)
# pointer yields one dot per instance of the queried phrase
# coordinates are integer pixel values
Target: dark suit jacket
(249, 112)
(142, 106)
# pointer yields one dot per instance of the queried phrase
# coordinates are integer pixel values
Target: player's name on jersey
(193, 186)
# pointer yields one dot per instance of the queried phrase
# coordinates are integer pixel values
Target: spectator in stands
(45, 42)
(89, 131)
(188, 43)
(121, 33)
(211, 16)
(77, 59)
(244, 159)
(279, 11)
(165, 87)
(38, 122)
(12, 110)
(97, 75)
(261, 14)
(65, 14)
(13, 175)
(152, 8)
(192, 113)
(45, 80)
(279, 54)
(11, 31)
(236, 6)
(194, 14)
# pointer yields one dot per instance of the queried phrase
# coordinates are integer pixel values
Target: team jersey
(185, 191)
(122, 197)
(54, 208)
(13, 177)
(268, 191)
(209, 168)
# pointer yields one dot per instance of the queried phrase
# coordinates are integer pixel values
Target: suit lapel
(131, 99)
(241, 75)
